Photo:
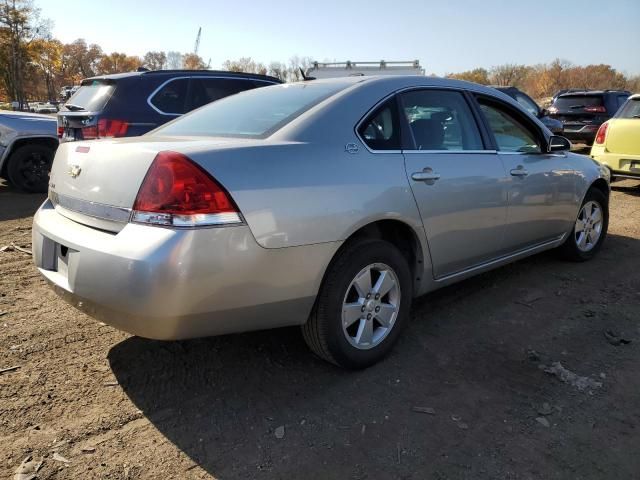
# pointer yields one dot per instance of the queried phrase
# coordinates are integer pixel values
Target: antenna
(197, 45)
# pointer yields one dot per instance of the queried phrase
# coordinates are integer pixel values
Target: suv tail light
(602, 133)
(177, 192)
(595, 109)
(60, 131)
(105, 128)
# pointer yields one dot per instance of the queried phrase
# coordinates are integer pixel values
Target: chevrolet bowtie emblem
(74, 171)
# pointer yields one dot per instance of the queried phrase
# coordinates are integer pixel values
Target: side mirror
(558, 144)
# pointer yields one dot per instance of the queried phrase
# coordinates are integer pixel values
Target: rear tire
(589, 230)
(29, 167)
(362, 306)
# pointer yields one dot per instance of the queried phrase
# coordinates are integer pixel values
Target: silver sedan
(328, 204)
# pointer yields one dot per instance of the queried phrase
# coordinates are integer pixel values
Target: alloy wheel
(588, 227)
(370, 306)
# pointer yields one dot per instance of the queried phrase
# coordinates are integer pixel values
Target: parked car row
(131, 104)
(328, 204)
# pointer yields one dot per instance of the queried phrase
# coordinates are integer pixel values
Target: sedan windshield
(631, 109)
(252, 114)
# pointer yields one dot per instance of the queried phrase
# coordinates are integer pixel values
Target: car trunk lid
(96, 183)
(623, 136)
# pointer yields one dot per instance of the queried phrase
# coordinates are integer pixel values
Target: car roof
(575, 93)
(169, 73)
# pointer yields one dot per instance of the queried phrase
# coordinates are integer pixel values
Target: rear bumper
(580, 136)
(621, 165)
(173, 284)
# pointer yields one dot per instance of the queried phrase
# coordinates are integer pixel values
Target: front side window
(380, 131)
(510, 134)
(172, 97)
(441, 120)
(255, 113)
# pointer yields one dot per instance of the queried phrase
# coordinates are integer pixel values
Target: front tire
(362, 306)
(590, 228)
(29, 167)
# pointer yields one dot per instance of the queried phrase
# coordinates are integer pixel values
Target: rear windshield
(631, 109)
(91, 97)
(576, 102)
(254, 113)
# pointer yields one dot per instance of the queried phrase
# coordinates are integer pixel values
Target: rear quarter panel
(300, 193)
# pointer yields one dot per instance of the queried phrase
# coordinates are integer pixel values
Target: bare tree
(278, 70)
(246, 65)
(297, 63)
(174, 60)
(155, 60)
(508, 74)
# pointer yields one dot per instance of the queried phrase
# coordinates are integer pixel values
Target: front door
(541, 185)
(459, 186)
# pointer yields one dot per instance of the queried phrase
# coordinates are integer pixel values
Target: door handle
(519, 172)
(427, 175)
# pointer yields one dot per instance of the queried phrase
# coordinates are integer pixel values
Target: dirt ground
(93, 402)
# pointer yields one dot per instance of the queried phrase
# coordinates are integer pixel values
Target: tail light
(105, 128)
(595, 109)
(60, 131)
(177, 192)
(602, 133)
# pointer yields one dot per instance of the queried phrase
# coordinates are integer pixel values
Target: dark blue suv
(131, 104)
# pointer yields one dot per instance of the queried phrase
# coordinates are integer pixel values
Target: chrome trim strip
(457, 152)
(197, 76)
(91, 209)
(501, 259)
(405, 89)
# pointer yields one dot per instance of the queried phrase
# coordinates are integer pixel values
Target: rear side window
(630, 110)
(172, 97)
(380, 131)
(91, 97)
(441, 120)
(578, 102)
(510, 134)
(207, 90)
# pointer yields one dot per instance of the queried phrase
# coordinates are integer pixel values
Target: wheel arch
(400, 234)
(19, 142)
(600, 184)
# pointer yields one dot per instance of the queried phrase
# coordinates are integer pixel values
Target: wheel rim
(588, 226)
(370, 306)
(34, 170)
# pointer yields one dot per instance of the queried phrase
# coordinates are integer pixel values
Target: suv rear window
(91, 97)
(577, 102)
(252, 114)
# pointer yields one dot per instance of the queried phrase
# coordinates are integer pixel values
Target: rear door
(541, 186)
(458, 184)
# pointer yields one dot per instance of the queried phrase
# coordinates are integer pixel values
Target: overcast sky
(446, 36)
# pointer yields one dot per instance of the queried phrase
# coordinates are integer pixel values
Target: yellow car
(617, 143)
